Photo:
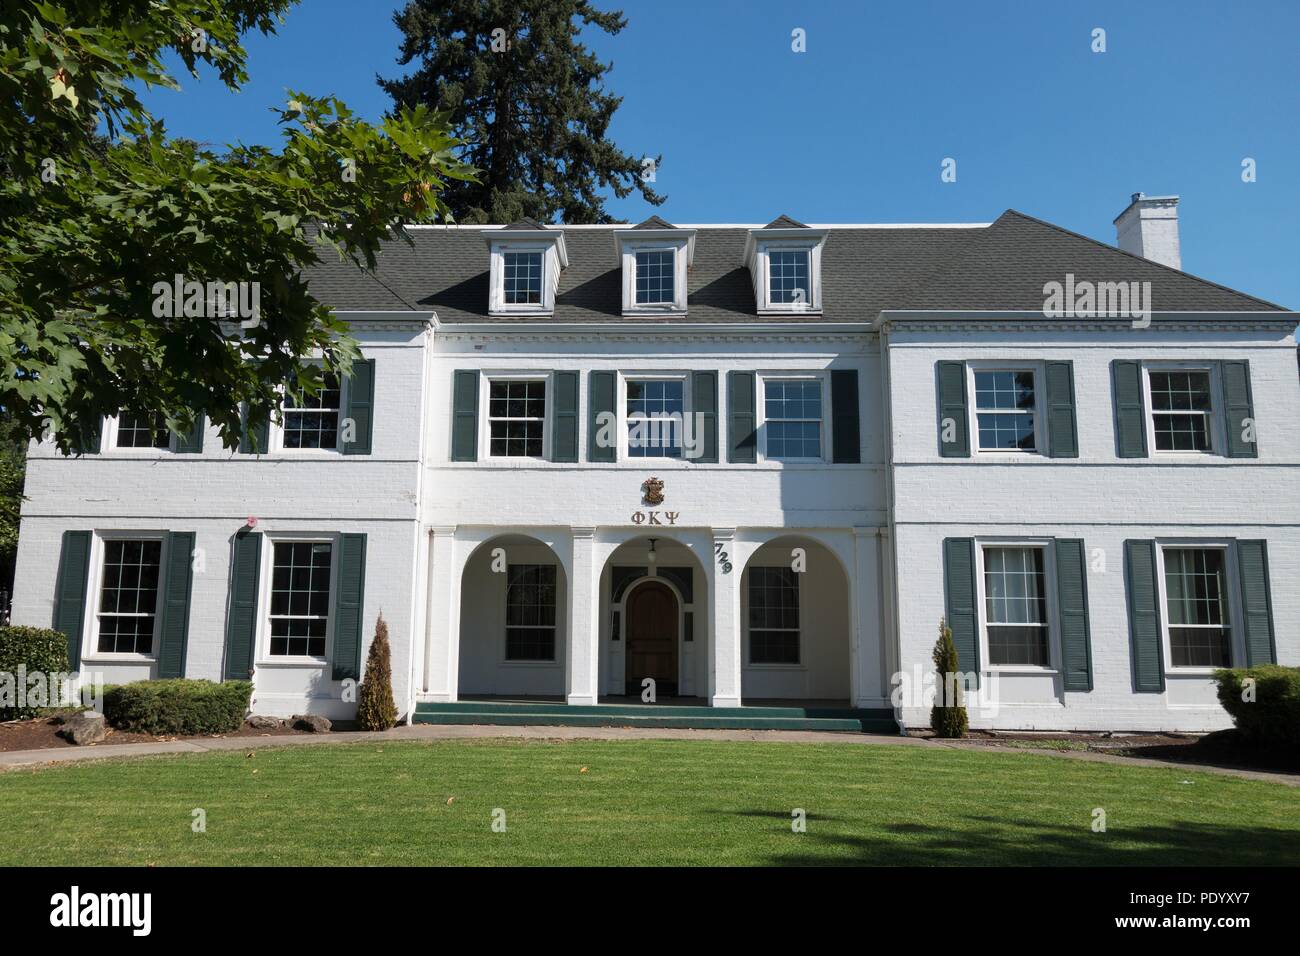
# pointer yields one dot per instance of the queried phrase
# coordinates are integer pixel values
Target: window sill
(287, 662)
(543, 664)
(1190, 671)
(777, 667)
(118, 659)
(1021, 669)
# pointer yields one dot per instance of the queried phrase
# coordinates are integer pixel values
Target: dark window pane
(530, 612)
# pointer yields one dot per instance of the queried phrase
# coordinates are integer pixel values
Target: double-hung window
(792, 416)
(655, 413)
(530, 612)
(1015, 602)
(312, 421)
(522, 278)
(1005, 409)
(142, 430)
(516, 418)
(1181, 409)
(787, 277)
(126, 619)
(300, 598)
(1200, 633)
(773, 615)
(655, 270)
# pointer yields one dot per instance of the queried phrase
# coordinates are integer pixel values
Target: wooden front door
(652, 639)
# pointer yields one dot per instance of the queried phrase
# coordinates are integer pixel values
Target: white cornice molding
(1006, 321)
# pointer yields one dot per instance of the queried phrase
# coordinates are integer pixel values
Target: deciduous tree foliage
(89, 224)
(528, 98)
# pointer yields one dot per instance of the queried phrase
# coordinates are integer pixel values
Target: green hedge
(37, 650)
(167, 707)
(1273, 717)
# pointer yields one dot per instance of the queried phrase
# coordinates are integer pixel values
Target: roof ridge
(1124, 252)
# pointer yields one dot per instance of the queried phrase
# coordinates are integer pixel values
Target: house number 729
(723, 559)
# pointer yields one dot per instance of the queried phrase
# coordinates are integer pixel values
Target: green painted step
(544, 708)
(577, 718)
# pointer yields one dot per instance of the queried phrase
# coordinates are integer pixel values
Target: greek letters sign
(655, 517)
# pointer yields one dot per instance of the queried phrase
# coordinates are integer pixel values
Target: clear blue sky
(855, 129)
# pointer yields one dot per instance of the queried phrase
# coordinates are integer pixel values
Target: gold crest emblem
(654, 491)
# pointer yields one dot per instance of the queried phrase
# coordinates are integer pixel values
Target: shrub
(1272, 718)
(23, 651)
(948, 715)
(166, 707)
(375, 707)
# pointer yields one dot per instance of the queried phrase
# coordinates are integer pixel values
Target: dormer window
(525, 268)
(784, 260)
(655, 256)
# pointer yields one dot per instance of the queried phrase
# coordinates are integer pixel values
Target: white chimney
(1148, 227)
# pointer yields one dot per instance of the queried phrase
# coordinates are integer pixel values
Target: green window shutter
(564, 422)
(704, 398)
(254, 437)
(361, 407)
(1062, 424)
(845, 438)
(953, 418)
(1256, 602)
(1239, 412)
(959, 601)
(348, 607)
(464, 416)
(241, 619)
(1130, 413)
(1144, 616)
(177, 582)
(191, 442)
(70, 591)
(600, 402)
(742, 421)
(1072, 602)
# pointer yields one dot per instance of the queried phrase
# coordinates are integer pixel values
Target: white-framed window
(126, 595)
(773, 615)
(1198, 604)
(313, 422)
(794, 414)
(1006, 411)
(524, 269)
(530, 612)
(1017, 606)
(517, 420)
(138, 431)
(654, 413)
(656, 271)
(300, 589)
(1183, 416)
(785, 265)
(789, 277)
(522, 277)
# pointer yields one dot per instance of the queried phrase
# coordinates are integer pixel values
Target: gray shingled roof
(864, 270)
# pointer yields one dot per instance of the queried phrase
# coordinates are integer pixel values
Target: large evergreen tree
(529, 99)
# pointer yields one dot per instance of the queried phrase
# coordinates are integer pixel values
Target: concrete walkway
(27, 758)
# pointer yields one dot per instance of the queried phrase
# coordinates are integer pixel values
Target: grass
(639, 802)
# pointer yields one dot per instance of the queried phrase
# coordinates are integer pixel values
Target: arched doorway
(653, 628)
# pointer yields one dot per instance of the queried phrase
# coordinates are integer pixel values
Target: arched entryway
(654, 620)
(796, 624)
(651, 632)
(513, 620)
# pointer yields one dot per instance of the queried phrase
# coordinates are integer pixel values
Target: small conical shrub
(375, 707)
(948, 715)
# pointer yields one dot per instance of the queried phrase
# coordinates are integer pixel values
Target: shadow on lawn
(996, 841)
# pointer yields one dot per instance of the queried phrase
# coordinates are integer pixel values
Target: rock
(87, 727)
(314, 723)
(262, 722)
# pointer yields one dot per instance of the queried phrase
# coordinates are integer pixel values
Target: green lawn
(666, 802)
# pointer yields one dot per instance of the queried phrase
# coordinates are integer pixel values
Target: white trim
(651, 375)
(1231, 602)
(760, 413)
(1215, 419)
(1054, 654)
(108, 441)
(1036, 369)
(275, 431)
(90, 626)
(553, 260)
(503, 648)
(263, 656)
(450, 226)
(486, 378)
(680, 247)
(746, 656)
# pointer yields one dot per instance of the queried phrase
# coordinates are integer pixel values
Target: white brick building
(753, 464)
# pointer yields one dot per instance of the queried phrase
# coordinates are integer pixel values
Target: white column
(867, 681)
(443, 628)
(724, 669)
(583, 655)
